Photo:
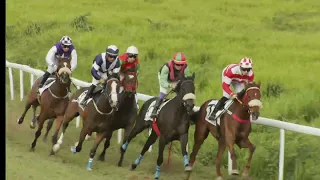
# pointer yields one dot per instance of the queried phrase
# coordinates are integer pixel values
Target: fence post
(78, 118)
(21, 85)
(119, 136)
(31, 80)
(281, 154)
(11, 83)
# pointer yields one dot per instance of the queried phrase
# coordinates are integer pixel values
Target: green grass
(282, 38)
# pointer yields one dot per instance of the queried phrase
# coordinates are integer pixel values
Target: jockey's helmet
(112, 50)
(179, 58)
(246, 63)
(132, 50)
(66, 40)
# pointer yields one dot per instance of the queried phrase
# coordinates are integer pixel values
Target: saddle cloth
(47, 84)
(151, 107)
(210, 108)
(83, 95)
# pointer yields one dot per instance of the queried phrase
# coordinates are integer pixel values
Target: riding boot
(212, 117)
(154, 113)
(44, 79)
(89, 94)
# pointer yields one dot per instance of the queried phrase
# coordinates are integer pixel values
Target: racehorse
(97, 112)
(172, 123)
(53, 99)
(235, 127)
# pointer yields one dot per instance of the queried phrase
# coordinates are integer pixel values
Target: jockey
(63, 47)
(130, 62)
(168, 77)
(235, 75)
(104, 65)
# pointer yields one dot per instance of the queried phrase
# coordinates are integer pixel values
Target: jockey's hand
(234, 96)
(101, 81)
(172, 85)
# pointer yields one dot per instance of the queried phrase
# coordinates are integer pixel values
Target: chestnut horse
(53, 100)
(235, 127)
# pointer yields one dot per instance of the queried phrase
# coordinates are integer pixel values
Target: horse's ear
(193, 76)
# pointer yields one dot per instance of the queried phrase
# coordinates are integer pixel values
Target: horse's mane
(181, 79)
(250, 84)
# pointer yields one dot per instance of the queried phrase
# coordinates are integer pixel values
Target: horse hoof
(32, 126)
(245, 174)
(188, 168)
(19, 121)
(234, 172)
(52, 153)
(56, 147)
(219, 178)
(133, 166)
(89, 169)
(101, 158)
(119, 164)
(73, 150)
(32, 149)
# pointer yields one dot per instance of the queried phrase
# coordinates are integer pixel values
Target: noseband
(252, 103)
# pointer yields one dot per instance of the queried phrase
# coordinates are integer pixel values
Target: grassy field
(282, 38)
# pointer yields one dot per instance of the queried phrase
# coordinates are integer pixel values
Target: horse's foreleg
(230, 140)
(106, 146)
(162, 144)
(38, 132)
(78, 145)
(247, 144)
(221, 149)
(125, 142)
(184, 151)
(34, 118)
(97, 141)
(151, 139)
(55, 135)
(49, 126)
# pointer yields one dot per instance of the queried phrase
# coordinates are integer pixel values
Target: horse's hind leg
(34, 118)
(221, 149)
(247, 144)
(49, 126)
(106, 146)
(152, 138)
(55, 135)
(38, 132)
(97, 141)
(162, 144)
(26, 108)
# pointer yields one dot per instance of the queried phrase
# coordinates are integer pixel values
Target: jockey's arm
(50, 58)
(251, 76)
(164, 77)
(74, 59)
(186, 72)
(96, 66)
(226, 81)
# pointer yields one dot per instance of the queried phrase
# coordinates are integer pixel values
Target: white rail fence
(262, 121)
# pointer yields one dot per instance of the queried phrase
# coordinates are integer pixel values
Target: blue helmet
(112, 50)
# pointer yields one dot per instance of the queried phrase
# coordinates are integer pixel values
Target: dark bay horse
(235, 127)
(53, 100)
(172, 122)
(96, 115)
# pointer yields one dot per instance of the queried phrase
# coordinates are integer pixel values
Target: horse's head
(186, 89)
(130, 82)
(64, 69)
(112, 89)
(251, 97)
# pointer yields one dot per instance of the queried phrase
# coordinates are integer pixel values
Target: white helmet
(132, 50)
(66, 40)
(246, 63)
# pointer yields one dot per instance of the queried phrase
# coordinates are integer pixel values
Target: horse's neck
(60, 89)
(102, 100)
(180, 109)
(240, 110)
(127, 101)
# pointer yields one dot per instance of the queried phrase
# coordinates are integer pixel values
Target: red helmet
(179, 58)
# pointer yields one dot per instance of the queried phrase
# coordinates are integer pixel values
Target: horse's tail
(194, 117)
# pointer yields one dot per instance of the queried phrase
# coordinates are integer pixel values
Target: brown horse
(235, 127)
(100, 107)
(53, 100)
